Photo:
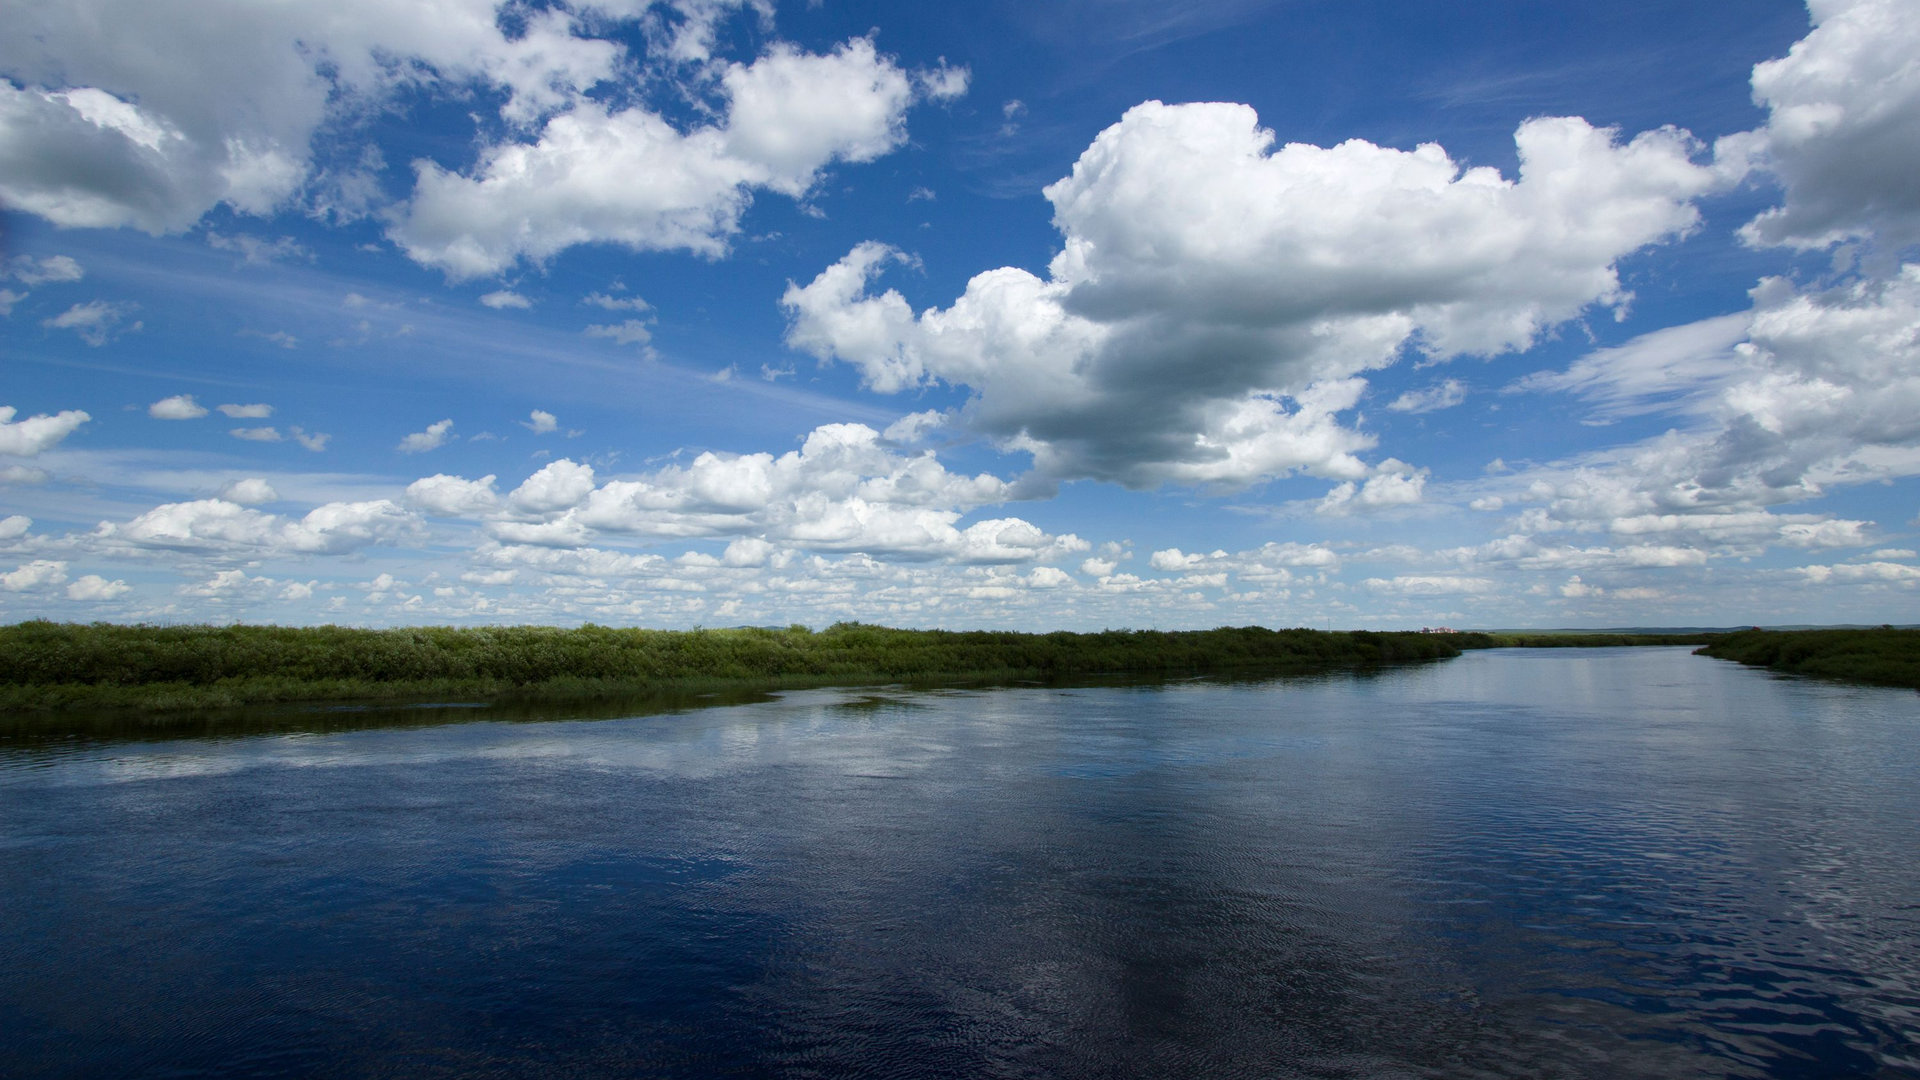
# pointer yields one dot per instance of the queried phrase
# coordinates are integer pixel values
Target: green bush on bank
(46, 665)
(1579, 640)
(1884, 656)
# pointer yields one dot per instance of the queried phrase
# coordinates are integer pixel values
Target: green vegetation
(51, 668)
(1885, 656)
(1574, 639)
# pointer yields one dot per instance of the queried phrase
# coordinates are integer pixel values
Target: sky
(1064, 315)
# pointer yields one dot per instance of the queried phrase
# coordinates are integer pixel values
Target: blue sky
(1063, 315)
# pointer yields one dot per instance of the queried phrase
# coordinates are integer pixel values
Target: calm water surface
(1525, 863)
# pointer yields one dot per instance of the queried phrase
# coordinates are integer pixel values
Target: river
(1517, 863)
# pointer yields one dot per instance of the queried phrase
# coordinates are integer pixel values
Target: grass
(52, 671)
(1886, 656)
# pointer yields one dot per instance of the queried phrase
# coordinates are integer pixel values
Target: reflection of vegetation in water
(1886, 656)
(73, 729)
(47, 667)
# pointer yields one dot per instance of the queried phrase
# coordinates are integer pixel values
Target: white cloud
(1863, 573)
(14, 526)
(256, 251)
(8, 298)
(1429, 584)
(222, 108)
(251, 491)
(1575, 589)
(216, 525)
(1843, 128)
(558, 486)
(1173, 559)
(97, 321)
(630, 332)
(843, 491)
(37, 574)
(177, 407)
(1441, 395)
(315, 441)
(1394, 483)
(1673, 368)
(1823, 393)
(433, 438)
(27, 438)
(92, 588)
(747, 551)
(256, 434)
(617, 303)
(541, 422)
(245, 412)
(627, 176)
(1216, 297)
(505, 298)
(452, 496)
(944, 82)
(30, 271)
(914, 427)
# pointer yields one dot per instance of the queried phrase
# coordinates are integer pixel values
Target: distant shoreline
(52, 674)
(1882, 657)
(50, 670)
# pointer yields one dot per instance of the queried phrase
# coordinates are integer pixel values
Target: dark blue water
(1552, 863)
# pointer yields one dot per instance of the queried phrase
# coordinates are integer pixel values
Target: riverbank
(1884, 656)
(50, 670)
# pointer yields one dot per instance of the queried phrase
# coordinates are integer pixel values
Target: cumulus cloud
(452, 496)
(541, 422)
(177, 407)
(1217, 297)
(251, 491)
(603, 174)
(245, 412)
(37, 574)
(945, 82)
(1872, 573)
(93, 589)
(27, 438)
(223, 109)
(433, 438)
(217, 525)
(256, 434)
(1394, 483)
(96, 321)
(1843, 128)
(558, 486)
(14, 526)
(844, 490)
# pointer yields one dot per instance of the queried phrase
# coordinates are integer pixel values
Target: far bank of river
(77, 679)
